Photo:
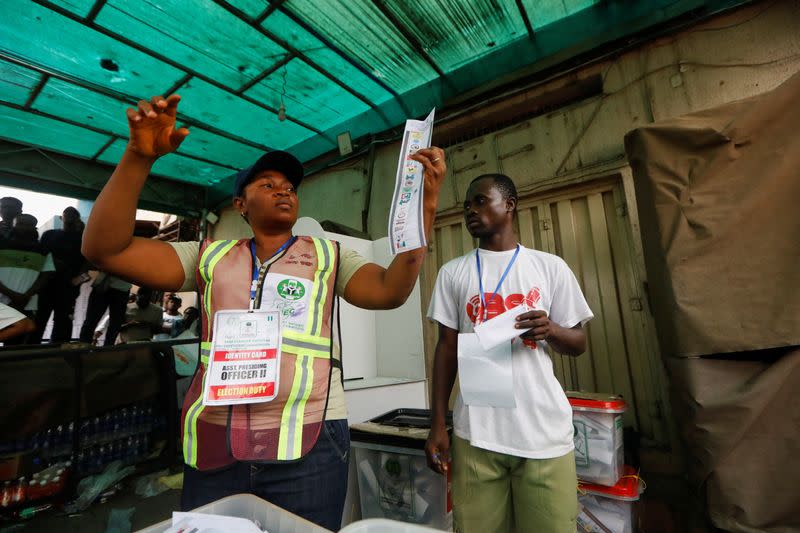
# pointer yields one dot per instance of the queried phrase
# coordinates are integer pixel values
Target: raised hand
(152, 127)
(434, 166)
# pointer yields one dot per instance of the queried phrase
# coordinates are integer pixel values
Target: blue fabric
(313, 487)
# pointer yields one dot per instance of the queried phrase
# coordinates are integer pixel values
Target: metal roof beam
(260, 77)
(409, 37)
(524, 13)
(338, 51)
(103, 148)
(35, 91)
(98, 5)
(164, 59)
(105, 132)
(42, 170)
(298, 53)
(178, 84)
(271, 8)
(127, 99)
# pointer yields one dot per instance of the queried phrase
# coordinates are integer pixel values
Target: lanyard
(499, 283)
(257, 272)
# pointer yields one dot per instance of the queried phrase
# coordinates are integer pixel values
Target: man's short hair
(175, 298)
(25, 219)
(11, 200)
(503, 183)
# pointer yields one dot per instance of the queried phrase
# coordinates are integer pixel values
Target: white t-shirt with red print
(540, 426)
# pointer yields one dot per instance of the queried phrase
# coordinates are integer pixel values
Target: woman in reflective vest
(275, 450)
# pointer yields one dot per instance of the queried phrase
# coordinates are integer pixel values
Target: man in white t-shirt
(513, 467)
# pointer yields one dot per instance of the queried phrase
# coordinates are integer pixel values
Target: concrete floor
(95, 519)
(665, 508)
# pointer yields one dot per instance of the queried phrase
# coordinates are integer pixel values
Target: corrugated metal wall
(589, 226)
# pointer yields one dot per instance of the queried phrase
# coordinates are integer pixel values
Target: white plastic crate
(381, 525)
(267, 515)
(597, 422)
(396, 483)
(610, 509)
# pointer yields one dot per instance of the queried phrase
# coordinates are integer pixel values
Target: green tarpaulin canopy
(69, 68)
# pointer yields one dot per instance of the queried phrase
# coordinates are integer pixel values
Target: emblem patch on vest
(291, 289)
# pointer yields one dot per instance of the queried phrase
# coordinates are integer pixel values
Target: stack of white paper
(211, 523)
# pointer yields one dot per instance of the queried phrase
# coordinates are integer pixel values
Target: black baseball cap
(283, 162)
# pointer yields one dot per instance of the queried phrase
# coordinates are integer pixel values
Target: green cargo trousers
(498, 493)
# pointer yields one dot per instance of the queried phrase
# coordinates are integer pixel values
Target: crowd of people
(41, 279)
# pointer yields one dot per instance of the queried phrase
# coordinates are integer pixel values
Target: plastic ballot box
(394, 480)
(597, 423)
(265, 515)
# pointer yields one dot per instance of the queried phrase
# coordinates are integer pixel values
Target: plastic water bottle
(118, 450)
(84, 431)
(80, 457)
(148, 419)
(134, 418)
(108, 427)
(96, 430)
(47, 441)
(7, 495)
(116, 425)
(57, 444)
(125, 422)
(137, 448)
(69, 435)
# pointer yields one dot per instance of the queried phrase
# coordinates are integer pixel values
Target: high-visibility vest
(300, 283)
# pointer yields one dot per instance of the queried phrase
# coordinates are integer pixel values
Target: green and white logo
(291, 289)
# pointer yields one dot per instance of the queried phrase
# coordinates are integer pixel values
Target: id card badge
(245, 358)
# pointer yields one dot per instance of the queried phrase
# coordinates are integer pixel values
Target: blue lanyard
(257, 272)
(499, 283)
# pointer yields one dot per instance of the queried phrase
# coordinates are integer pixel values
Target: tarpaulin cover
(718, 194)
(742, 429)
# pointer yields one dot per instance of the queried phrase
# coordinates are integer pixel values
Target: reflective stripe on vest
(290, 439)
(211, 256)
(292, 342)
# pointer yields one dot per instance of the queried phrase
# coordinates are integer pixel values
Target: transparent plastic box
(597, 424)
(381, 525)
(396, 483)
(268, 516)
(604, 509)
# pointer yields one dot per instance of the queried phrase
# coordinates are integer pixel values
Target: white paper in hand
(485, 377)
(500, 329)
(406, 228)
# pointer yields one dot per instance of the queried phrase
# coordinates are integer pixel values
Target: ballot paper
(406, 228)
(210, 523)
(500, 329)
(485, 377)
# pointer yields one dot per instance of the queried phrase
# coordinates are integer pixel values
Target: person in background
(13, 324)
(187, 325)
(10, 208)
(108, 292)
(142, 318)
(24, 267)
(292, 451)
(513, 467)
(172, 319)
(59, 294)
